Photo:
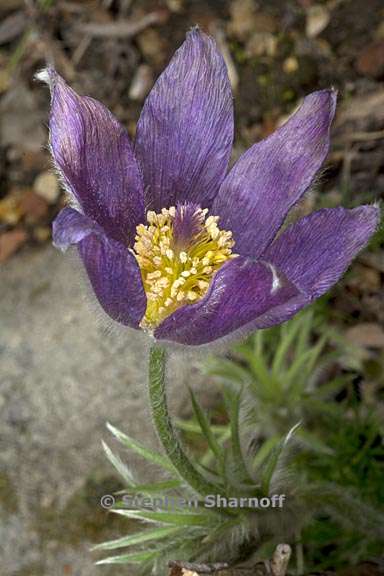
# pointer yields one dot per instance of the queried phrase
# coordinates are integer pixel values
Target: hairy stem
(164, 427)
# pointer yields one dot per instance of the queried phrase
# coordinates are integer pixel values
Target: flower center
(178, 251)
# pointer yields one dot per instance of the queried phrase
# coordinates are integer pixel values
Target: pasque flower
(174, 241)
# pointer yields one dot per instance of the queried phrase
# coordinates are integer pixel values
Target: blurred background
(62, 374)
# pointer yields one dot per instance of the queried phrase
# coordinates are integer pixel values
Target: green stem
(164, 427)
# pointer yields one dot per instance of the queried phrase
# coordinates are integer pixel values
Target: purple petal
(315, 251)
(94, 155)
(71, 227)
(280, 313)
(111, 266)
(185, 132)
(241, 291)
(187, 224)
(272, 175)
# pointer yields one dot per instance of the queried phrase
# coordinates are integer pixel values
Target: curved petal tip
(320, 100)
(272, 175)
(94, 157)
(185, 131)
(49, 76)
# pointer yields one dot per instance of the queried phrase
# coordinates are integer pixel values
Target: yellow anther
(210, 220)
(183, 257)
(213, 231)
(174, 277)
(151, 218)
(203, 285)
(153, 275)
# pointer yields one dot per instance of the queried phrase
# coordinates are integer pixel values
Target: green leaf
(266, 386)
(265, 450)
(137, 538)
(323, 408)
(133, 558)
(232, 400)
(117, 463)
(333, 387)
(314, 443)
(194, 428)
(152, 488)
(223, 527)
(301, 367)
(206, 429)
(287, 336)
(258, 342)
(273, 460)
(228, 370)
(306, 322)
(150, 455)
(176, 518)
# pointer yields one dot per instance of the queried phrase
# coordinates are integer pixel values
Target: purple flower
(171, 240)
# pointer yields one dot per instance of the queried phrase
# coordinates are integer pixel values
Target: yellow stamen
(173, 277)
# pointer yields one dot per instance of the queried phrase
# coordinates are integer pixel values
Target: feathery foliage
(286, 428)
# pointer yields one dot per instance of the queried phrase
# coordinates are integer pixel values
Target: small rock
(318, 18)
(374, 259)
(21, 119)
(365, 278)
(142, 82)
(175, 5)
(290, 65)
(10, 242)
(366, 335)
(260, 44)
(242, 18)
(264, 22)
(47, 187)
(152, 46)
(33, 207)
(42, 233)
(371, 60)
(246, 20)
(12, 26)
(10, 212)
